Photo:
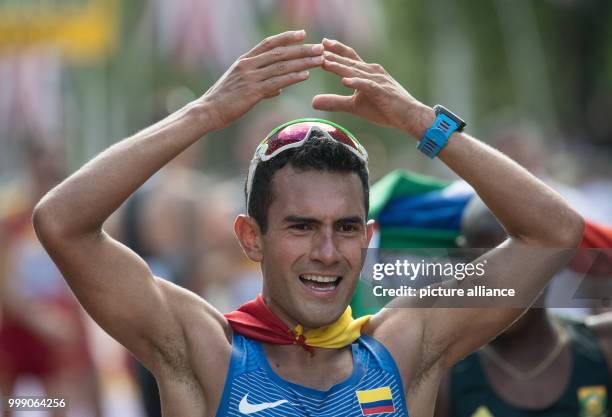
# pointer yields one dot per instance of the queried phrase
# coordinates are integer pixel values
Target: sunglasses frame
(260, 152)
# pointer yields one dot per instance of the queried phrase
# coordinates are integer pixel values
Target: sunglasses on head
(294, 134)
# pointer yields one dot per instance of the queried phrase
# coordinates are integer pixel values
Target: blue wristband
(436, 136)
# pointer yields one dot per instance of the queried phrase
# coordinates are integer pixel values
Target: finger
(343, 70)
(330, 56)
(363, 84)
(282, 81)
(285, 53)
(332, 102)
(286, 67)
(340, 49)
(271, 42)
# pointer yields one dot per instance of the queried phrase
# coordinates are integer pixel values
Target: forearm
(82, 202)
(526, 207)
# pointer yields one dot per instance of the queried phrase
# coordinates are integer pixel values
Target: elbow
(55, 222)
(46, 224)
(562, 231)
(572, 230)
(41, 220)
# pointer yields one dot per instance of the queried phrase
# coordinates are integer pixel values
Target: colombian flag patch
(375, 401)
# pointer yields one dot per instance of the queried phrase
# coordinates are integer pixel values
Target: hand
(378, 97)
(276, 62)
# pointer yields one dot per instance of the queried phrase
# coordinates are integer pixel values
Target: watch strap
(436, 137)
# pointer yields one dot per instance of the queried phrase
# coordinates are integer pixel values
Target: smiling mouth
(320, 282)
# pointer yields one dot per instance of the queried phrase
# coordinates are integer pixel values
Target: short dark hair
(317, 153)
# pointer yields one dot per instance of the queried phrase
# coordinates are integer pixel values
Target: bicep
(117, 288)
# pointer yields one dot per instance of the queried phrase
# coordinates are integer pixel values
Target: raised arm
(116, 287)
(533, 215)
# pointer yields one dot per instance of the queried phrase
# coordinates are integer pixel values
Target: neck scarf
(255, 320)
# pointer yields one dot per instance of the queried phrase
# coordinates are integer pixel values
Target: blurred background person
(542, 365)
(226, 277)
(42, 333)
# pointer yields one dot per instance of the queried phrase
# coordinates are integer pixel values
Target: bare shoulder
(204, 350)
(194, 364)
(386, 324)
(200, 321)
(401, 331)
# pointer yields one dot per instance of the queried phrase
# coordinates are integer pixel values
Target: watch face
(441, 109)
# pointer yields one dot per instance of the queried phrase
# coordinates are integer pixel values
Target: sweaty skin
(185, 342)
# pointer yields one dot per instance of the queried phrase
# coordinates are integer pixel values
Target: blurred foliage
(547, 63)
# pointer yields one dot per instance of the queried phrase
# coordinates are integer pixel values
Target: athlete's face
(312, 252)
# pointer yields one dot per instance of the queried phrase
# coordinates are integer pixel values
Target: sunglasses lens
(288, 135)
(297, 132)
(340, 136)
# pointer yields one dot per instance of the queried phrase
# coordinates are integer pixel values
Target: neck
(321, 370)
(529, 339)
(280, 312)
(285, 317)
(297, 354)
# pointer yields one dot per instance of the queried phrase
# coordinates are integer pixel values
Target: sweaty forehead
(318, 194)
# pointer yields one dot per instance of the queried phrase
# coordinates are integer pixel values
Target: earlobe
(248, 234)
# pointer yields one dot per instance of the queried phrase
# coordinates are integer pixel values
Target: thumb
(332, 102)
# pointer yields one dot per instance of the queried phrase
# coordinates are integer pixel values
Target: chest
(536, 393)
(311, 373)
(347, 386)
(368, 394)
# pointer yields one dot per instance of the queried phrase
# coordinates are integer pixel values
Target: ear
(370, 229)
(249, 236)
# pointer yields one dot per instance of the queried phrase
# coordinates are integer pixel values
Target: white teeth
(319, 278)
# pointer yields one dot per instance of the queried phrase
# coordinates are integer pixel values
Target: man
(542, 365)
(310, 250)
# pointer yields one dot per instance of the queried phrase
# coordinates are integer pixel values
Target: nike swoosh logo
(245, 408)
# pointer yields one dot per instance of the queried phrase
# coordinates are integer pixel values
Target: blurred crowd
(181, 220)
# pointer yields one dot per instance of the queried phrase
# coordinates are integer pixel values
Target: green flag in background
(412, 211)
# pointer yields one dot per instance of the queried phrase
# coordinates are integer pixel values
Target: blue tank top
(252, 387)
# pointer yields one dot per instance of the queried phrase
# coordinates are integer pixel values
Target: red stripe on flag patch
(377, 410)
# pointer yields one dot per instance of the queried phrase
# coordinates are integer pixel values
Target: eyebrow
(311, 220)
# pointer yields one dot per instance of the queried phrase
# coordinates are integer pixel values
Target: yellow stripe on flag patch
(371, 395)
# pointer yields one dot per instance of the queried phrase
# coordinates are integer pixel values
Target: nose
(325, 248)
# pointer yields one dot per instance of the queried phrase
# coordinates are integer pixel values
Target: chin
(320, 316)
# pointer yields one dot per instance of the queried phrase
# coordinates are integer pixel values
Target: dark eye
(300, 226)
(348, 228)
